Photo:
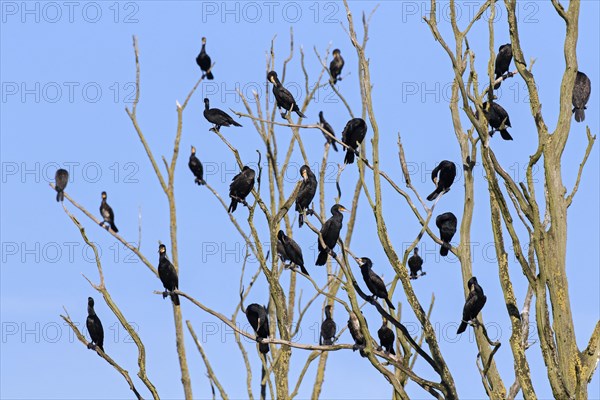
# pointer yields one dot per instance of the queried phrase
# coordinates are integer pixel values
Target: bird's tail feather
(263, 348)
(60, 196)
(297, 110)
(113, 227)
(334, 146)
(349, 159)
(322, 258)
(390, 304)
(444, 249)
(579, 114)
(175, 298)
(434, 194)
(304, 271)
(210, 76)
(461, 328)
(505, 135)
(392, 351)
(300, 220)
(232, 206)
(236, 123)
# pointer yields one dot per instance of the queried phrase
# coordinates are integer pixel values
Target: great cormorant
(203, 60)
(325, 125)
(306, 193)
(107, 213)
(330, 231)
(442, 176)
(386, 338)
(415, 264)
(328, 328)
(196, 168)
(473, 305)
(503, 60)
(498, 119)
(373, 281)
(259, 320)
(61, 178)
(167, 275)
(218, 117)
(283, 97)
(336, 65)
(581, 94)
(446, 222)
(289, 250)
(359, 339)
(353, 135)
(240, 187)
(94, 327)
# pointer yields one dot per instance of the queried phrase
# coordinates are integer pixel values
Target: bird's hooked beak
(344, 209)
(259, 323)
(435, 181)
(305, 176)
(358, 260)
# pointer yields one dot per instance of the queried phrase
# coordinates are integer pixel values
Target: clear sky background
(67, 73)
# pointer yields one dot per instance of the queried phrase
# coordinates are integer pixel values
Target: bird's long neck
(203, 49)
(207, 106)
(91, 311)
(327, 313)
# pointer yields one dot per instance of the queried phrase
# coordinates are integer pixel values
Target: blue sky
(67, 72)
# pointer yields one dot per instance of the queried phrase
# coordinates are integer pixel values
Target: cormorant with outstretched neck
(503, 60)
(259, 320)
(330, 231)
(94, 327)
(61, 178)
(218, 117)
(288, 249)
(283, 97)
(306, 193)
(107, 213)
(446, 222)
(374, 281)
(336, 65)
(581, 94)
(386, 338)
(167, 275)
(328, 328)
(415, 264)
(325, 125)
(203, 60)
(497, 118)
(353, 135)
(473, 305)
(359, 339)
(442, 176)
(196, 168)
(240, 187)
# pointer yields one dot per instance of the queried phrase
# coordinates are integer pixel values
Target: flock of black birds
(287, 249)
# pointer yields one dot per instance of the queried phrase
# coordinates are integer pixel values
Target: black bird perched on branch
(203, 60)
(473, 305)
(306, 193)
(328, 328)
(167, 275)
(61, 178)
(446, 222)
(581, 94)
(497, 118)
(359, 339)
(196, 168)
(386, 338)
(259, 320)
(94, 327)
(240, 187)
(336, 65)
(325, 125)
(415, 264)
(353, 135)
(503, 60)
(374, 281)
(288, 249)
(330, 231)
(107, 213)
(283, 97)
(218, 117)
(442, 176)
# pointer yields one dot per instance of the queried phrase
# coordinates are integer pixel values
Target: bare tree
(515, 207)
